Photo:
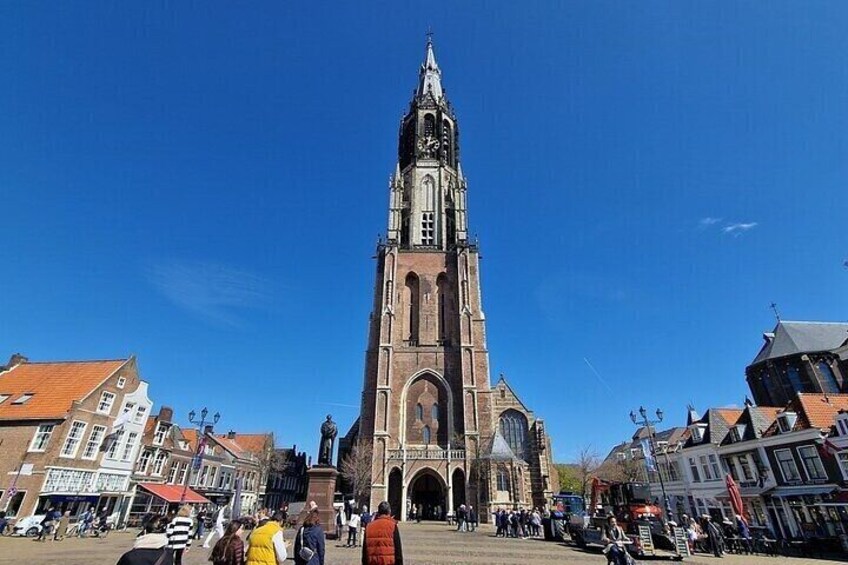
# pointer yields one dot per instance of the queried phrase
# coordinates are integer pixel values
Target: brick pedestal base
(322, 487)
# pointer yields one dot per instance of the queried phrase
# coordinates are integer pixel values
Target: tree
(356, 468)
(577, 476)
(620, 470)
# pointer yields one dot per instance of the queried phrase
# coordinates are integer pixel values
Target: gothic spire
(429, 77)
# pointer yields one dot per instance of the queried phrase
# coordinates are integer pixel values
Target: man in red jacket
(381, 544)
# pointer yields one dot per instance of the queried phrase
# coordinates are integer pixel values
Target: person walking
(309, 541)
(460, 518)
(62, 527)
(382, 545)
(230, 549)
(266, 545)
(218, 529)
(179, 532)
(339, 523)
(201, 524)
(472, 519)
(715, 537)
(85, 521)
(150, 548)
(353, 527)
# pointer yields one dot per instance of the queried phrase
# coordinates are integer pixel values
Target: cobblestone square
(424, 544)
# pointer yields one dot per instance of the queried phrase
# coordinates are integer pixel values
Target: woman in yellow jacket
(266, 545)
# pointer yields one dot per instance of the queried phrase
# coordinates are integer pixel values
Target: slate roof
(791, 338)
(719, 421)
(500, 450)
(756, 419)
(54, 386)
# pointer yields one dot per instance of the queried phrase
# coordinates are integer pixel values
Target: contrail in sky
(598, 375)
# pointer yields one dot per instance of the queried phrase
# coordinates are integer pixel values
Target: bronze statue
(329, 431)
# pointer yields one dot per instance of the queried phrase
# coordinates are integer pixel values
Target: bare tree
(356, 468)
(585, 468)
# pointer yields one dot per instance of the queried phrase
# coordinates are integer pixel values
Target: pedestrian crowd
(520, 523)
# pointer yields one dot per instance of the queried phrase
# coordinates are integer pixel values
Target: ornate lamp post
(201, 443)
(643, 421)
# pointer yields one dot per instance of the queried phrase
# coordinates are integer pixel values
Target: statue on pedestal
(329, 431)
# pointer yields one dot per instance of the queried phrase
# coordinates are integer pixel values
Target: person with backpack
(309, 541)
(230, 549)
(150, 548)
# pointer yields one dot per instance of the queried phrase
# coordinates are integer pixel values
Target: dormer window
(697, 432)
(842, 424)
(737, 432)
(786, 421)
(662, 446)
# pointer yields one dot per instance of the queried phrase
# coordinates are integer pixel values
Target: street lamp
(643, 421)
(198, 456)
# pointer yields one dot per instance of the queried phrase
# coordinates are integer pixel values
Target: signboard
(680, 543)
(645, 538)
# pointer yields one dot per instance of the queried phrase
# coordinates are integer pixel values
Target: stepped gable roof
(54, 386)
(791, 338)
(500, 450)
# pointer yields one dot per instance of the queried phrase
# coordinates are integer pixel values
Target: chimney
(15, 360)
(166, 414)
(208, 429)
(231, 434)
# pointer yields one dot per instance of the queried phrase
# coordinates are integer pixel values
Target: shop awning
(173, 493)
(783, 492)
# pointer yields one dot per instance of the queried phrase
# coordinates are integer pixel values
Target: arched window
(447, 142)
(425, 434)
(442, 289)
(828, 379)
(419, 412)
(412, 305)
(434, 412)
(503, 478)
(514, 430)
(429, 125)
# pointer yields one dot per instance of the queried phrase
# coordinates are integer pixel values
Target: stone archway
(458, 488)
(427, 492)
(395, 493)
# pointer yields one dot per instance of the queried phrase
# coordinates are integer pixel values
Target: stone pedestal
(321, 489)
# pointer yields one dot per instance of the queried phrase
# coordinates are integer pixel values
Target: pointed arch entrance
(427, 492)
(395, 493)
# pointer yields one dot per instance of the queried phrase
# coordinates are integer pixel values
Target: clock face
(428, 144)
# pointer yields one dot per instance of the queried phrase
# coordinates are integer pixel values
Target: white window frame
(820, 470)
(122, 381)
(705, 467)
(173, 470)
(780, 466)
(45, 434)
(74, 447)
(842, 459)
(117, 442)
(714, 465)
(745, 464)
(160, 433)
(140, 413)
(129, 447)
(159, 462)
(693, 470)
(143, 461)
(105, 406)
(95, 439)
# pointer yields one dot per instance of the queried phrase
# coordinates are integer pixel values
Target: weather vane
(776, 313)
(429, 34)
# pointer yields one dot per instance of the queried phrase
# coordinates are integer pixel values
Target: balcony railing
(430, 453)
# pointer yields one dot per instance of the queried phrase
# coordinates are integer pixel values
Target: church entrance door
(427, 494)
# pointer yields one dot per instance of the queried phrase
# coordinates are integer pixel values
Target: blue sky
(202, 185)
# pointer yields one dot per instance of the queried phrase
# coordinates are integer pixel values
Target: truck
(562, 507)
(636, 513)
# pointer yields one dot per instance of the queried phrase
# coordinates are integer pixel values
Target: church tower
(427, 402)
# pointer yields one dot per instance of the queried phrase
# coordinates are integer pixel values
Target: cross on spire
(429, 34)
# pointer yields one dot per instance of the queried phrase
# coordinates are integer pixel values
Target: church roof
(500, 450)
(430, 77)
(790, 338)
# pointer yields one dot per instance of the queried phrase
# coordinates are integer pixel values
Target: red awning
(173, 493)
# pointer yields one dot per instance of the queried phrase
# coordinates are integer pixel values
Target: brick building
(287, 479)
(428, 407)
(71, 433)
